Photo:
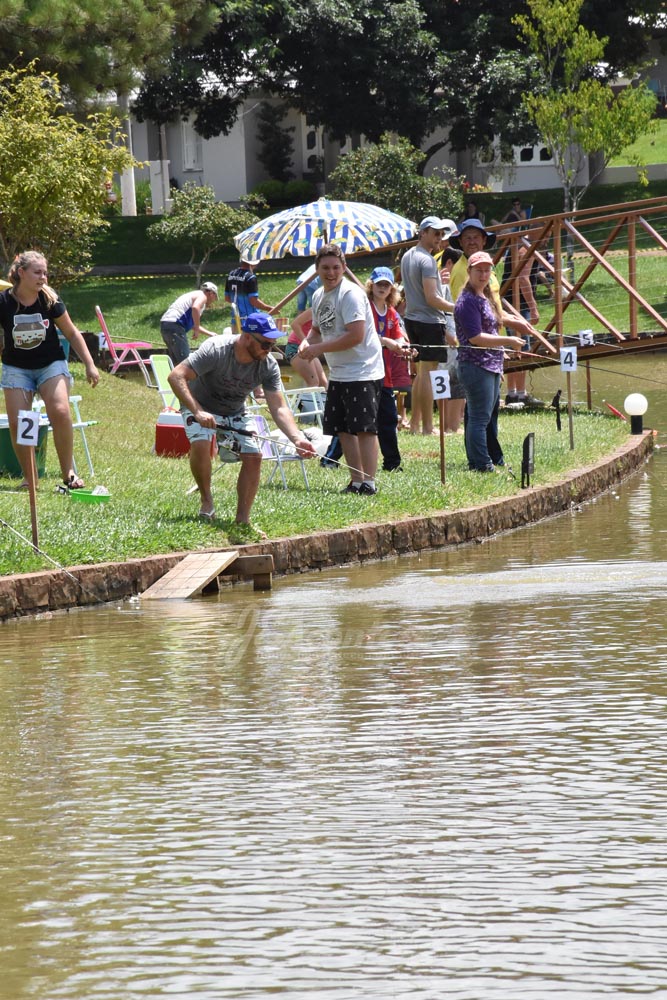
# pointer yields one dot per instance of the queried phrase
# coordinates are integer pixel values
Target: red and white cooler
(170, 438)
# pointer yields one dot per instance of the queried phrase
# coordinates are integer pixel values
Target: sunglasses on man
(265, 344)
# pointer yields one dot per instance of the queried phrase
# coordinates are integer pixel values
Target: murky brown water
(435, 777)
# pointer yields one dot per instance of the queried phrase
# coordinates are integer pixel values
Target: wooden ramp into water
(608, 348)
(200, 571)
(190, 576)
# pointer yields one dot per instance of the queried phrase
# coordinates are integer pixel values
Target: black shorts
(351, 407)
(430, 335)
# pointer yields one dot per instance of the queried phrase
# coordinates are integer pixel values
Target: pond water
(432, 777)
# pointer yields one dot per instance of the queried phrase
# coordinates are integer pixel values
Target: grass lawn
(649, 148)
(133, 305)
(149, 511)
(126, 241)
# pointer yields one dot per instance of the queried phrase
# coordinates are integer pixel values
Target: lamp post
(635, 406)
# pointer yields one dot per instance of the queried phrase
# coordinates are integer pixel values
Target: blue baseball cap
(261, 323)
(382, 274)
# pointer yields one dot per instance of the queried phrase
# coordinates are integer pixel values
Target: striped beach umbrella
(301, 231)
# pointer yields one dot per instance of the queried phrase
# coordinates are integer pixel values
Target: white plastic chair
(77, 423)
(274, 451)
(129, 350)
(306, 404)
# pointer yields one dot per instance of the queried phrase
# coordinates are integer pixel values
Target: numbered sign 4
(440, 384)
(568, 359)
(27, 432)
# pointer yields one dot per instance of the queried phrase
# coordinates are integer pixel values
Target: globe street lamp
(635, 406)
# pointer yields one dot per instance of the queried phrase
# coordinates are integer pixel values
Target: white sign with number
(27, 432)
(568, 359)
(440, 384)
(586, 338)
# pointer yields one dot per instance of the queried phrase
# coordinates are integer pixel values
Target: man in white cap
(184, 315)
(426, 302)
(212, 385)
(241, 289)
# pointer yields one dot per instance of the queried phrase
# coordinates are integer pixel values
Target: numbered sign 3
(568, 359)
(27, 432)
(440, 384)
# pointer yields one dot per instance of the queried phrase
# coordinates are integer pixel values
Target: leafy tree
(577, 114)
(277, 147)
(205, 224)
(94, 48)
(52, 172)
(387, 174)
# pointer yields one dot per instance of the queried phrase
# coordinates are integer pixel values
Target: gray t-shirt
(332, 312)
(223, 382)
(416, 265)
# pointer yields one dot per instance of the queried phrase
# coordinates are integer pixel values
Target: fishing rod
(262, 437)
(48, 558)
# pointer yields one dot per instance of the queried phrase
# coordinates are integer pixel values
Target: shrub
(273, 191)
(299, 192)
(387, 174)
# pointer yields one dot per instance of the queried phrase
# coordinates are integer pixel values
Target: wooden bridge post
(632, 273)
(558, 280)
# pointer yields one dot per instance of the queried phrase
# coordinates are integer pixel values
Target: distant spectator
(471, 211)
(304, 299)
(184, 315)
(241, 289)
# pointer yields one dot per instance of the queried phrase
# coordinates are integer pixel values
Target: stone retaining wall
(34, 593)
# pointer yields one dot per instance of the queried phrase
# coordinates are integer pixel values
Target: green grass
(649, 148)
(149, 512)
(133, 305)
(126, 242)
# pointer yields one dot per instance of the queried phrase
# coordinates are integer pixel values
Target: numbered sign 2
(440, 384)
(586, 338)
(27, 432)
(568, 359)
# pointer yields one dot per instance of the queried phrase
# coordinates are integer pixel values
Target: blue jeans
(482, 389)
(176, 339)
(387, 430)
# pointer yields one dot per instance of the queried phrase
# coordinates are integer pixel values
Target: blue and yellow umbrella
(301, 231)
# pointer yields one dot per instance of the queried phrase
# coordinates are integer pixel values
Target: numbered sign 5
(586, 338)
(27, 432)
(568, 359)
(440, 384)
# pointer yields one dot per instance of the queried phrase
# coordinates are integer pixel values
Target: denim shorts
(235, 434)
(30, 379)
(290, 351)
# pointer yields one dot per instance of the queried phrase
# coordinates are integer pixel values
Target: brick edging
(53, 590)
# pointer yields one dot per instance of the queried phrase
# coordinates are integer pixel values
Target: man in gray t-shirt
(212, 385)
(425, 308)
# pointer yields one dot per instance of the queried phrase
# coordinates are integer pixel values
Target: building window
(312, 146)
(192, 148)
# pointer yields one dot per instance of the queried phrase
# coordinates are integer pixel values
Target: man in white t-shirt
(343, 328)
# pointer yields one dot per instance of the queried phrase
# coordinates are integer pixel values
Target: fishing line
(54, 562)
(275, 441)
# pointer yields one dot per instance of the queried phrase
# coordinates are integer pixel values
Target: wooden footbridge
(630, 232)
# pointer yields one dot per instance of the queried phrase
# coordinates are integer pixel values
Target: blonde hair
(490, 299)
(392, 299)
(25, 260)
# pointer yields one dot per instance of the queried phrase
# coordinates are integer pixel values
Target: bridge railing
(593, 237)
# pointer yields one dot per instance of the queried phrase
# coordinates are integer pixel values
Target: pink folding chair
(125, 353)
